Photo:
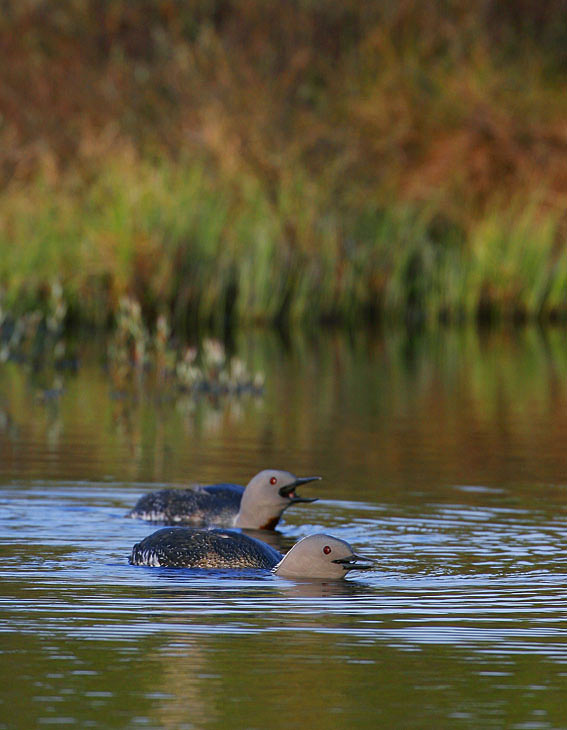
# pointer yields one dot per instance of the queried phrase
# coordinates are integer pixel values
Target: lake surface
(444, 456)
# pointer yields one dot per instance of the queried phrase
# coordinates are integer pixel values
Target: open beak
(352, 562)
(289, 490)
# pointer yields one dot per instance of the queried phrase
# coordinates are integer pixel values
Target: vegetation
(223, 162)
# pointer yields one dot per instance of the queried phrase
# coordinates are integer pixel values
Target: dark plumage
(186, 547)
(216, 504)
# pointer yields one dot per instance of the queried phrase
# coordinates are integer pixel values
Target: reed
(213, 250)
(345, 163)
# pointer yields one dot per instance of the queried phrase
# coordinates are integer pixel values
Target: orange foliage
(425, 100)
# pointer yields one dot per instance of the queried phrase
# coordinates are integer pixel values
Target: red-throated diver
(315, 556)
(257, 506)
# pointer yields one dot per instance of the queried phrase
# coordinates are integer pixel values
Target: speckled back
(186, 547)
(215, 504)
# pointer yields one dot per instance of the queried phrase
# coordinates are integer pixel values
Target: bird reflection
(317, 588)
(202, 584)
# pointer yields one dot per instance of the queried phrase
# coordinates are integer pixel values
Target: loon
(314, 556)
(258, 506)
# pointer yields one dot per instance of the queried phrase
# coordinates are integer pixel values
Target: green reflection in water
(397, 422)
(376, 416)
(281, 679)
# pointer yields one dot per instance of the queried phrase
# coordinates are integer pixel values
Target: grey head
(266, 497)
(321, 556)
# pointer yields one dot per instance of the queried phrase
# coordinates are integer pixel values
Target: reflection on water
(443, 457)
(382, 415)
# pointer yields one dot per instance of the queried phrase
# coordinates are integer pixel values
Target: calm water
(444, 457)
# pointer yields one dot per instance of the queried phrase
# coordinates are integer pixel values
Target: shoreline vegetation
(228, 163)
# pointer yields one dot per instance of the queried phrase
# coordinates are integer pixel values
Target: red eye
(326, 549)
(273, 480)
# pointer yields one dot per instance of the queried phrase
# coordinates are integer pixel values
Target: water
(443, 457)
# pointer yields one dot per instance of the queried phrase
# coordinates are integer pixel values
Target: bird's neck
(256, 516)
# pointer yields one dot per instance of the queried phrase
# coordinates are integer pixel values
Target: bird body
(214, 504)
(257, 506)
(315, 556)
(186, 547)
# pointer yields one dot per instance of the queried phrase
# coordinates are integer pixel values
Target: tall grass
(210, 249)
(226, 162)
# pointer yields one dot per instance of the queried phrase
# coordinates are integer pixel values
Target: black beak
(351, 562)
(289, 490)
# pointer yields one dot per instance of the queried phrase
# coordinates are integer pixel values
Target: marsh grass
(222, 163)
(212, 250)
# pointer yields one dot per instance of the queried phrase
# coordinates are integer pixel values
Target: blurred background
(224, 162)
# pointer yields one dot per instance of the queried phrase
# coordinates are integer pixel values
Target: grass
(223, 163)
(185, 241)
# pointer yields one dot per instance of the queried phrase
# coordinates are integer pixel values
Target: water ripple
(490, 580)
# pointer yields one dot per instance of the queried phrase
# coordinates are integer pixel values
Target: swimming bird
(314, 556)
(258, 506)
